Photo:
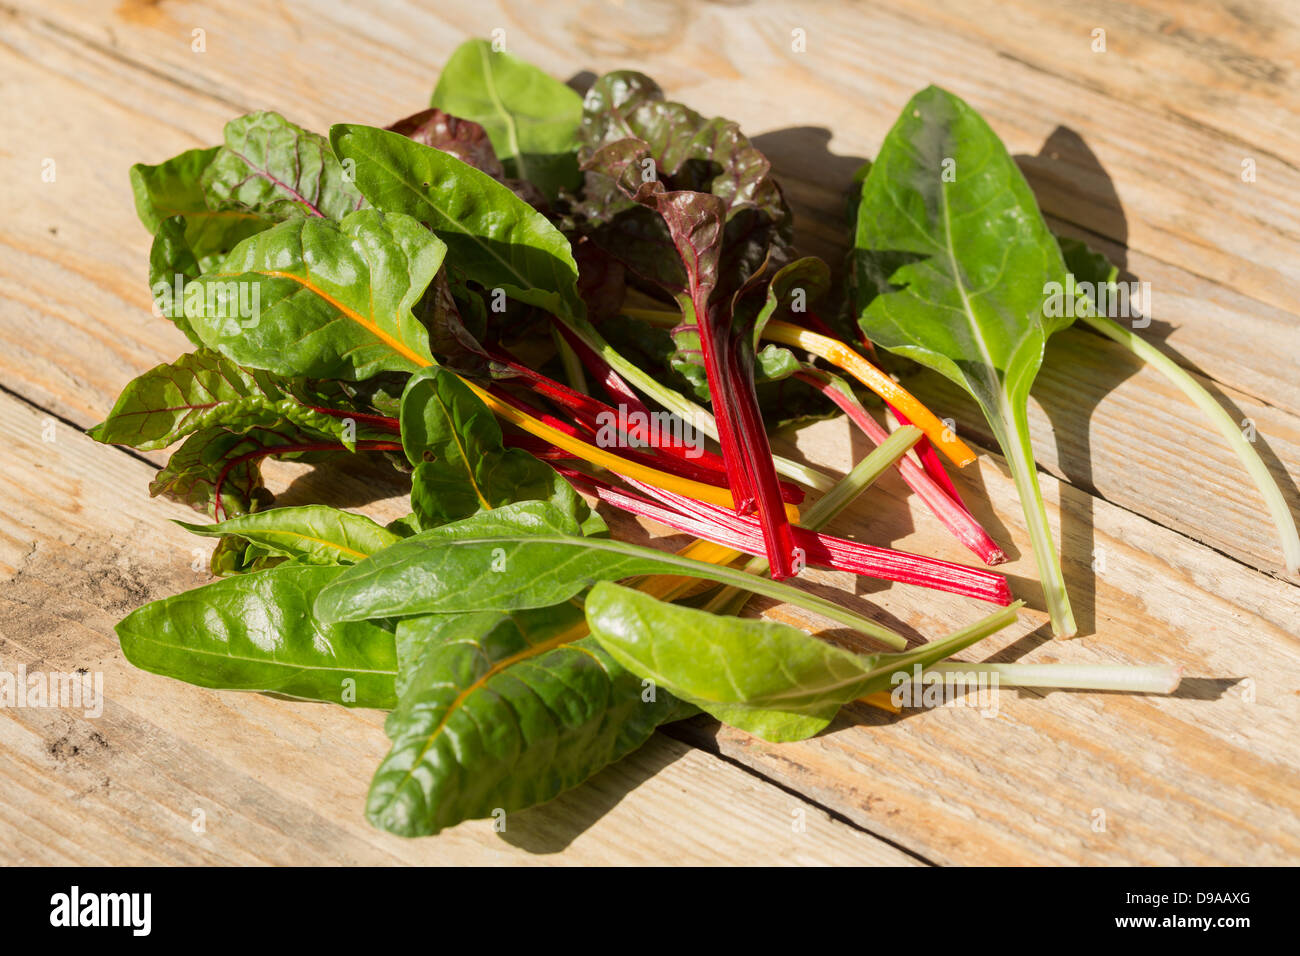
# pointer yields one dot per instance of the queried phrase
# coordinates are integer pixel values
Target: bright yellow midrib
(598, 456)
(567, 636)
(839, 354)
(880, 383)
(367, 324)
(464, 457)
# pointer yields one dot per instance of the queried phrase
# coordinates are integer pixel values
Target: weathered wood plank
(1209, 775)
(277, 781)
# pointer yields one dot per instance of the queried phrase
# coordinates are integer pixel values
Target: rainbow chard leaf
(763, 677)
(461, 467)
(531, 117)
(322, 299)
(689, 152)
(272, 168)
(201, 389)
(493, 237)
(175, 188)
(953, 267)
(236, 555)
(309, 534)
(217, 470)
(255, 632)
(177, 258)
(707, 291)
(525, 555)
(468, 142)
(501, 711)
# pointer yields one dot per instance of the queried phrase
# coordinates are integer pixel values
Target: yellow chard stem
(843, 357)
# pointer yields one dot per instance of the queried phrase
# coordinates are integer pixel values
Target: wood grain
(1137, 150)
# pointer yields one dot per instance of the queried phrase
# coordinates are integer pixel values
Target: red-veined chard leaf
(953, 263)
(273, 168)
(217, 470)
(696, 223)
(688, 150)
(531, 117)
(255, 632)
(317, 298)
(763, 677)
(204, 388)
(501, 711)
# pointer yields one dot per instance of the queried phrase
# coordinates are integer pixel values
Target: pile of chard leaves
(451, 294)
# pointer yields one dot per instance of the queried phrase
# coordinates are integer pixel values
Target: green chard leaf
(175, 261)
(175, 188)
(190, 235)
(524, 555)
(531, 117)
(493, 237)
(461, 467)
(199, 390)
(308, 534)
(766, 678)
(954, 264)
(236, 555)
(322, 299)
(256, 632)
(503, 711)
(270, 167)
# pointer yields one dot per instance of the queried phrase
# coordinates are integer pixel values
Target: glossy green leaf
(523, 555)
(502, 711)
(170, 188)
(310, 534)
(493, 237)
(256, 632)
(763, 677)
(461, 466)
(198, 390)
(175, 188)
(236, 555)
(177, 258)
(270, 167)
(202, 233)
(531, 117)
(322, 299)
(954, 266)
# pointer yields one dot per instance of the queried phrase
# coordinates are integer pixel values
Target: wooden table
(1138, 149)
